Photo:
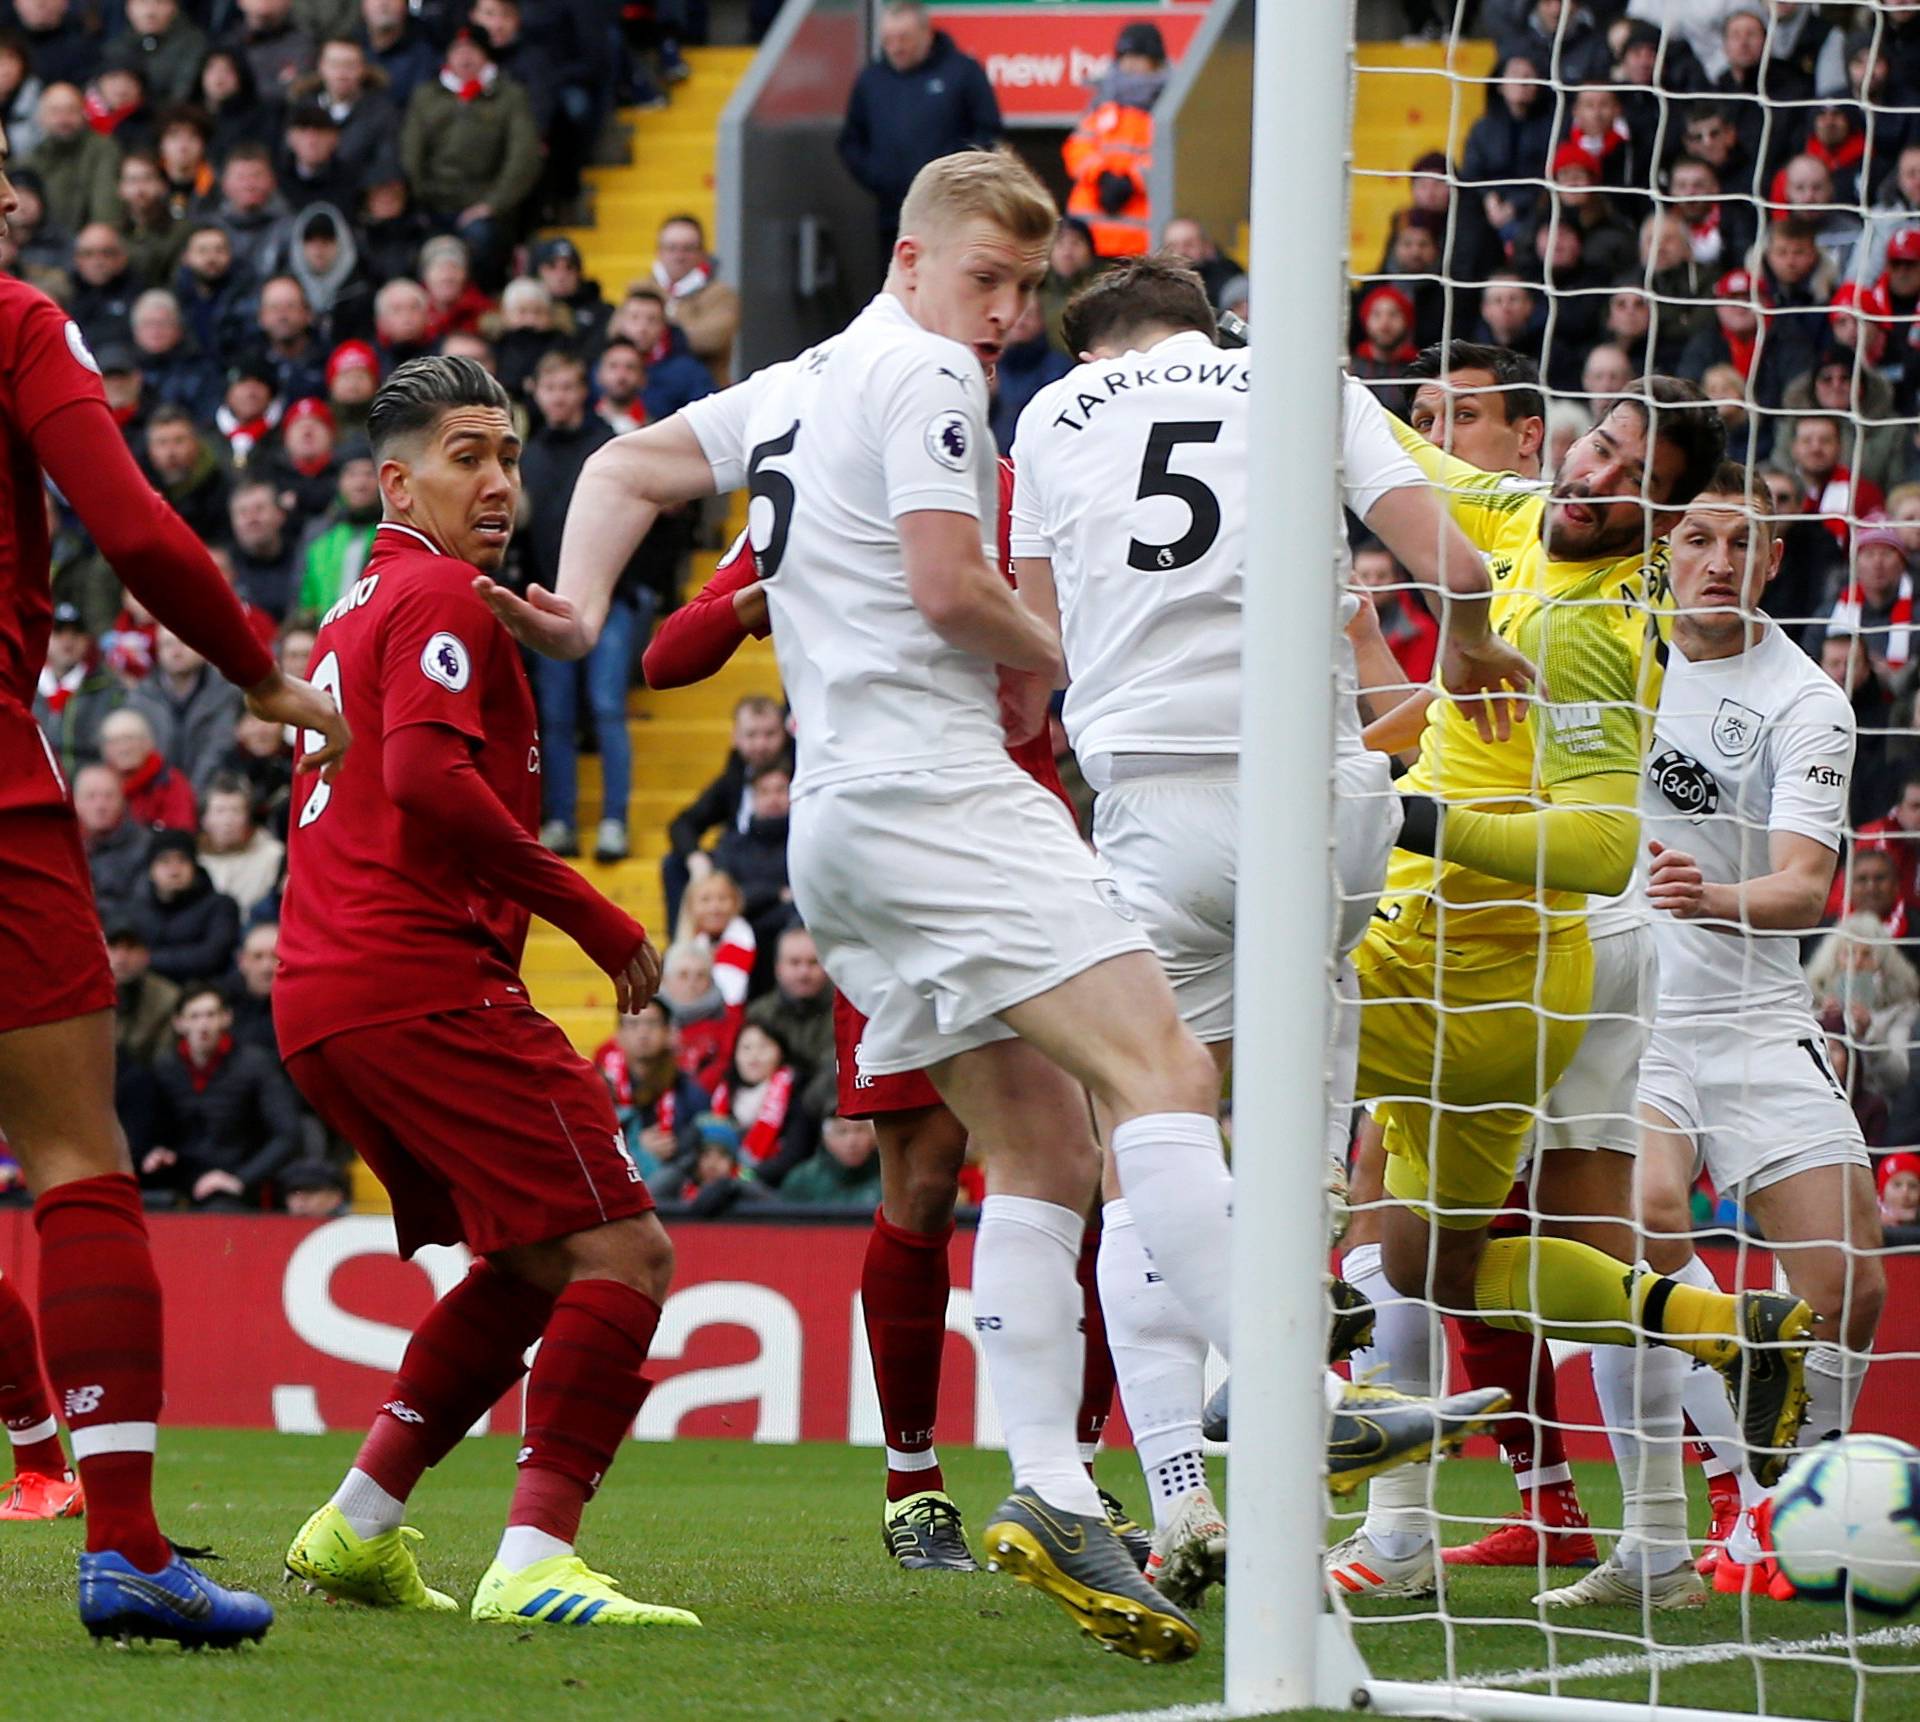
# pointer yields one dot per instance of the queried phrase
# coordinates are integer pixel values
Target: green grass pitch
(778, 1548)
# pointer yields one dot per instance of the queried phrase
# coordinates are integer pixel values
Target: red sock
(903, 1294)
(1530, 1441)
(1096, 1380)
(584, 1393)
(101, 1337)
(461, 1359)
(25, 1410)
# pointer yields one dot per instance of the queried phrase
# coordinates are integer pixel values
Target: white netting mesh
(1723, 193)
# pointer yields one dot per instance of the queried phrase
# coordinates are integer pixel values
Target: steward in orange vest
(1108, 152)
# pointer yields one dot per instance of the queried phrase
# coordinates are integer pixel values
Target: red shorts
(869, 1096)
(53, 959)
(485, 1126)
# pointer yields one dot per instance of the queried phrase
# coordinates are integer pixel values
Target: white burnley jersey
(883, 420)
(1742, 746)
(1130, 474)
(1372, 463)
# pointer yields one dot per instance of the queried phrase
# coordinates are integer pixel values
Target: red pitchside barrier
(297, 1325)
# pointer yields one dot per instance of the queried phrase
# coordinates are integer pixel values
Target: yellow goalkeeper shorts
(1458, 1044)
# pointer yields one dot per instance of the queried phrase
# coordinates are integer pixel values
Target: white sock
(1171, 1481)
(1159, 1355)
(1639, 1392)
(907, 1463)
(1703, 1395)
(1399, 1522)
(1833, 1388)
(366, 1506)
(1026, 1309)
(1176, 1182)
(522, 1545)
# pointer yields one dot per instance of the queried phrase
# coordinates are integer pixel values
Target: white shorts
(1755, 1094)
(1171, 832)
(1592, 1105)
(1171, 839)
(938, 898)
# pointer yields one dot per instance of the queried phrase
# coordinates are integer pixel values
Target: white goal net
(1661, 261)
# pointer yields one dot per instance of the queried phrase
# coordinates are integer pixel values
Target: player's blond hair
(980, 185)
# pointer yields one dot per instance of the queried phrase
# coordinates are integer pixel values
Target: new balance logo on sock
(401, 1409)
(83, 1401)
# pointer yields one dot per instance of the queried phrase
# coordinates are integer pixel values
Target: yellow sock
(1699, 1320)
(1557, 1289)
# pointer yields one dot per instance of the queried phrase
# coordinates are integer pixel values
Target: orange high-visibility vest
(1111, 138)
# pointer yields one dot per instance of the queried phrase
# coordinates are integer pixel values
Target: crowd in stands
(254, 210)
(1728, 191)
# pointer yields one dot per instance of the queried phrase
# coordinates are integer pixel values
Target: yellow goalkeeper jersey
(1589, 627)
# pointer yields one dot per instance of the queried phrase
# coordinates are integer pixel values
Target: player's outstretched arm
(1582, 840)
(167, 568)
(699, 637)
(1790, 899)
(622, 489)
(428, 773)
(1476, 664)
(965, 601)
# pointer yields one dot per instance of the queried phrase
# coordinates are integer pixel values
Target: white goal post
(1286, 1649)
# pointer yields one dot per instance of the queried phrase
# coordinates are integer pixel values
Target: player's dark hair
(1730, 480)
(414, 399)
(1678, 413)
(1517, 377)
(1134, 295)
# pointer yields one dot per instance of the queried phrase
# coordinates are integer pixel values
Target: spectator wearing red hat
(353, 375)
(302, 469)
(1413, 261)
(1608, 242)
(1386, 315)
(1898, 1178)
(1877, 602)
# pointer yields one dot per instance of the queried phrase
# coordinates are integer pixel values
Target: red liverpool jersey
(44, 365)
(379, 921)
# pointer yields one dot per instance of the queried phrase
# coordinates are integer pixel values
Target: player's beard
(1604, 538)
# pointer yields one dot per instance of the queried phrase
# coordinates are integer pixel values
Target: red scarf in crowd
(105, 120)
(474, 88)
(764, 1135)
(142, 776)
(200, 1075)
(1850, 607)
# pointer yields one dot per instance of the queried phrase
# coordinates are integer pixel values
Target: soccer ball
(1846, 1519)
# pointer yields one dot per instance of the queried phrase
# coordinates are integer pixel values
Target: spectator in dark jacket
(362, 108)
(249, 989)
(550, 470)
(185, 473)
(189, 926)
(1027, 364)
(843, 1172)
(1562, 39)
(190, 707)
(59, 46)
(265, 553)
(215, 293)
(166, 47)
(800, 1010)
(277, 51)
(654, 1099)
(77, 692)
(1509, 146)
(756, 860)
(921, 99)
(105, 284)
(226, 1119)
(144, 1003)
(116, 844)
(674, 375)
(759, 738)
(397, 47)
(252, 209)
(173, 370)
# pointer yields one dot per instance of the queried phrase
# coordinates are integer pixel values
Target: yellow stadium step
(1409, 98)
